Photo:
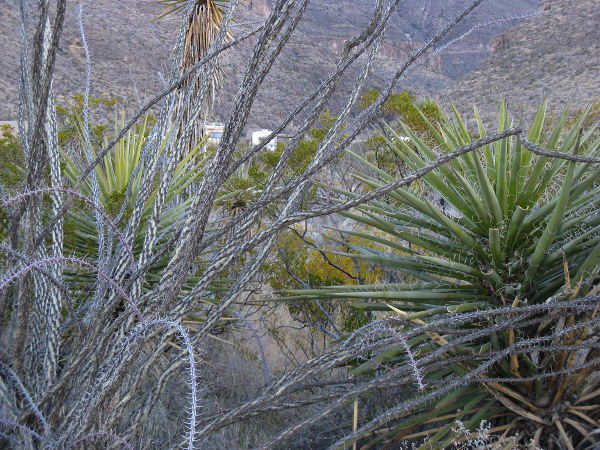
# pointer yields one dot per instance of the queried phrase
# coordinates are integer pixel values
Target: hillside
(130, 50)
(555, 54)
(418, 20)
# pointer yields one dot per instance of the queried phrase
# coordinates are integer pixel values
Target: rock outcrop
(500, 42)
(76, 50)
(398, 51)
(402, 50)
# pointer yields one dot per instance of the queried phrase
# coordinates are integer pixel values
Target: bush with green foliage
(11, 167)
(250, 178)
(11, 157)
(406, 107)
(403, 107)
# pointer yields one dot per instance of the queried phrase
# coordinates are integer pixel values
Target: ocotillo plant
(68, 379)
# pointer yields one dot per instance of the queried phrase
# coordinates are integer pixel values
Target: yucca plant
(499, 228)
(114, 176)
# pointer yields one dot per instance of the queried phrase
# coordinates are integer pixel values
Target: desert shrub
(302, 155)
(250, 178)
(401, 107)
(406, 107)
(11, 157)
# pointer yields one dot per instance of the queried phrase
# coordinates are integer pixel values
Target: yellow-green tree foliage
(294, 260)
(404, 106)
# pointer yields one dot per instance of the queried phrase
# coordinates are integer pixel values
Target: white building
(255, 137)
(214, 131)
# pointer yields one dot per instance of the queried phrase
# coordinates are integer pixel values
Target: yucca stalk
(489, 230)
(205, 19)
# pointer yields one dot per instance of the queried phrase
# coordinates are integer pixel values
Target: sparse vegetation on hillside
(554, 55)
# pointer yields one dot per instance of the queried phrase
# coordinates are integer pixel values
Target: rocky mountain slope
(418, 20)
(555, 54)
(130, 50)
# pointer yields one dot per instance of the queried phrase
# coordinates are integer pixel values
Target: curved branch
(553, 153)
